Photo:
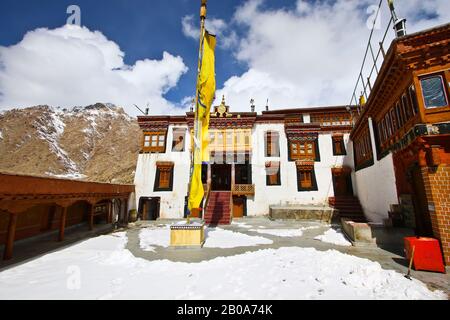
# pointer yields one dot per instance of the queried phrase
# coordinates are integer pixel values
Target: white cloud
(311, 55)
(73, 66)
(226, 37)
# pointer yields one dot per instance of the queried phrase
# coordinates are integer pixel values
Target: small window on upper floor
(339, 146)
(272, 144)
(273, 177)
(178, 141)
(434, 92)
(154, 142)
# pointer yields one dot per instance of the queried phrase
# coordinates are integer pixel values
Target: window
(302, 150)
(433, 91)
(178, 141)
(272, 144)
(164, 176)
(273, 177)
(363, 149)
(306, 178)
(413, 99)
(339, 146)
(407, 107)
(154, 142)
(396, 120)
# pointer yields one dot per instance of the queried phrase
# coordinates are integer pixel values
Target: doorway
(239, 206)
(342, 182)
(422, 215)
(221, 177)
(149, 208)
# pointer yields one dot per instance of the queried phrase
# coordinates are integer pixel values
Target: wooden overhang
(20, 191)
(246, 120)
(420, 50)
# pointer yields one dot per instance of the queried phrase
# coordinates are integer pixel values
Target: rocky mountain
(93, 143)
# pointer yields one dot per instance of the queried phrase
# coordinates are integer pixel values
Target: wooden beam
(91, 217)
(10, 236)
(62, 224)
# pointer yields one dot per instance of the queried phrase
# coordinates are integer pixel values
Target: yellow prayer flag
(206, 88)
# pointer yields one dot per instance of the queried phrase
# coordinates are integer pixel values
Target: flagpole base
(184, 235)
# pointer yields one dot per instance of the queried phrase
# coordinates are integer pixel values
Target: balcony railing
(243, 189)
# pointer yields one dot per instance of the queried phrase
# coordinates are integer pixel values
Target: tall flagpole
(197, 125)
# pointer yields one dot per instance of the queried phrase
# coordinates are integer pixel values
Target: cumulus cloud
(227, 37)
(310, 55)
(73, 66)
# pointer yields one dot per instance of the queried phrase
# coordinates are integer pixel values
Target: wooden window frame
(182, 132)
(273, 165)
(157, 148)
(444, 84)
(166, 167)
(407, 107)
(340, 141)
(315, 147)
(413, 98)
(272, 144)
(311, 171)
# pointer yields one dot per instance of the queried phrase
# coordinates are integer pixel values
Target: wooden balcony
(243, 189)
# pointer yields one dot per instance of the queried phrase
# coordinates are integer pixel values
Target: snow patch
(108, 271)
(334, 237)
(280, 232)
(220, 238)
(151, 237)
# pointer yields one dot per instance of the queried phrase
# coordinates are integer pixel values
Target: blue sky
(142, 29)
(278, 53)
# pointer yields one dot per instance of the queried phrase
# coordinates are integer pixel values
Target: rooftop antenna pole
(252, 105)
(196, 148)
(399, 24)
(145, 114)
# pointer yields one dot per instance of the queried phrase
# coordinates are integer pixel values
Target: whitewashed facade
(322, 124)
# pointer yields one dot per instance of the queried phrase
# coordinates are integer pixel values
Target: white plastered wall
(172, 202)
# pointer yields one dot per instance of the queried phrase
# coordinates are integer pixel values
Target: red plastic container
(427, 254)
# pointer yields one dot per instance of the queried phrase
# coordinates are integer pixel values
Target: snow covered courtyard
(103, 268)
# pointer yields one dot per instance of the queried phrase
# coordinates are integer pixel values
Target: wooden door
(342, 184)
(238, 207)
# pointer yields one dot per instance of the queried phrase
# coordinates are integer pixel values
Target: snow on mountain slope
(95, 143)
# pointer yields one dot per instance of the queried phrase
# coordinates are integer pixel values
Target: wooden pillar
(91, 217)
(125, 210)
(10, 236)
(233, 176)
(62, 224)
(208, 180)
(109, 212)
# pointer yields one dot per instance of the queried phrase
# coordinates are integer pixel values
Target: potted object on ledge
(133, 215)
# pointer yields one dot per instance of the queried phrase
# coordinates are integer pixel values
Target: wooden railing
(243, 189)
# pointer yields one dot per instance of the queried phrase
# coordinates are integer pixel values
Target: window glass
(178, 140)
(433, 92)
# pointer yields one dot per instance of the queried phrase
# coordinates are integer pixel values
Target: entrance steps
(349, 208)
(218, 208)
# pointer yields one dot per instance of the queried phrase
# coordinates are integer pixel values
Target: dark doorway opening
(422, 215)
(221, 177)
(149, 208)
(342, 183)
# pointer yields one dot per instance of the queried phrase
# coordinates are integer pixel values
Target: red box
(427, 254)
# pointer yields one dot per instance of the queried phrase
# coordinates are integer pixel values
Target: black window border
(277, 152)
(344, 152)
(268, 184)
(314, 186)
(156, 187)
(316, 148)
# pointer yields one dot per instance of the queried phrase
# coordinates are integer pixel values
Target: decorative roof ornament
(252, 105)
(267, 105)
